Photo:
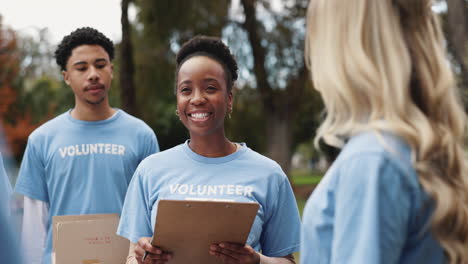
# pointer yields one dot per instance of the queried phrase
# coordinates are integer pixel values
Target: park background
(276, 109)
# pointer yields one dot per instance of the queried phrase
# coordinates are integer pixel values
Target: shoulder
(261, 160)
(132, 120)
(49, 128)
(385, 146)
(138, 126)
(376, 155)
(164, 159)
(260, 163)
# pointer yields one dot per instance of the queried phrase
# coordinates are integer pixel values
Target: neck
(212, 146)
(89, 112)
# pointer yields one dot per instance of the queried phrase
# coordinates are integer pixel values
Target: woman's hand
(155, 255)
(233, 253)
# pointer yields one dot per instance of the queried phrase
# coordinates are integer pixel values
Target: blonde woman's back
(370, 208)
(381, 67)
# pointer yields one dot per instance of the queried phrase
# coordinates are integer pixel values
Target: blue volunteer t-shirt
(10, 250)
(244, 176)
(82, 167)
(5, 189)
(370, 208)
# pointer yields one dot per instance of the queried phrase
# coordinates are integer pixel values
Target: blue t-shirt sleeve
(5, 187)
(9, 239)
(152, 146)
(5, 181)
(372, 211)
(135, 221)
(281, 232)
(149, 144)
(31, 178)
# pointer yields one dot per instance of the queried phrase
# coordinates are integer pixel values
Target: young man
(80, 162)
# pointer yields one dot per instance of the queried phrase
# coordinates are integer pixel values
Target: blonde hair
(375, 60)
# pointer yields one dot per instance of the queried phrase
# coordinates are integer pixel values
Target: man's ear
(65, 77)
(230, 100)
(112, 71)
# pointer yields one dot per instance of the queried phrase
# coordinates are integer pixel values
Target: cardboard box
(88, 239)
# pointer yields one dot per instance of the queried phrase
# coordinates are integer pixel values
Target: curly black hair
(211, 47)
(81, 36)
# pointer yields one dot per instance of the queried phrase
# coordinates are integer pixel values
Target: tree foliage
(275, 34)
(30, 89)
(275, 107)
(16, 124)
(456, 30)
(127, 68)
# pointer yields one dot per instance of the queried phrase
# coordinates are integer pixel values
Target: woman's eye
(81, 69)
(184, 90)
(100, 66)
(211, 88)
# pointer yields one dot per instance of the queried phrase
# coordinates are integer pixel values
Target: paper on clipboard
(188, 228)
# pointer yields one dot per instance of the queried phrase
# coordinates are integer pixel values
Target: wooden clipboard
(188, 228)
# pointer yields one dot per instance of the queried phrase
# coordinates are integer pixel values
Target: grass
(305, 177)
(300, 204)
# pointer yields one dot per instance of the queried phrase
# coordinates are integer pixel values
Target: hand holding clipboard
(189, 228)
(156, 253)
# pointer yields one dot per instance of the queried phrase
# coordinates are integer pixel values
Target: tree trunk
(279, 140)
(280, 106)
(457, 31)
(251, 25)
(127, 85)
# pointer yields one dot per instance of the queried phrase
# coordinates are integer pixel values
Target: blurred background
(276, 109)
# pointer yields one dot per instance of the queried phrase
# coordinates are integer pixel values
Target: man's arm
(34, 231)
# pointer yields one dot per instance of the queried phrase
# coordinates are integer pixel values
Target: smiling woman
(203, 101)
(211, 167)
(205, 74)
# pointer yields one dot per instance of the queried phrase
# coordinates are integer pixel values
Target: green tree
(456, 30)
(276, 40)
(17, 118)
(34, 92)
(127, 84)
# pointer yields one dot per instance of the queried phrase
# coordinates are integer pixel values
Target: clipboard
(88, 239)
(188, 228)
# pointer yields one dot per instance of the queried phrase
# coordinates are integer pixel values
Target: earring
(177, 112)
(230, 112)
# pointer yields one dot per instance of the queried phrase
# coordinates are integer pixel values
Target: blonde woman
(398, 190)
